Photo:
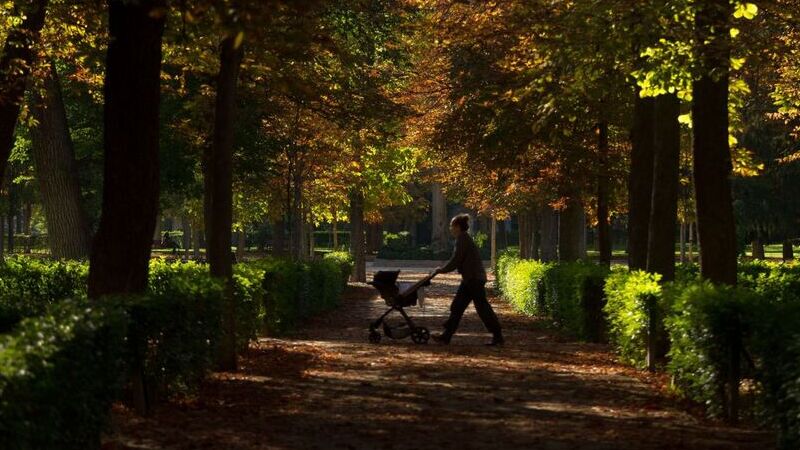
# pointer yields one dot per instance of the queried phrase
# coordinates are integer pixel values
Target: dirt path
(326, 387)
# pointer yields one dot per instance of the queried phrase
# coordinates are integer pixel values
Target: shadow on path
(326, 387)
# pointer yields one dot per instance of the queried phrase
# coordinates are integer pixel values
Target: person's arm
(458, 255)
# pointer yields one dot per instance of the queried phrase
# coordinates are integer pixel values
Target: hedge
(570, 295)
(61, 369)
(754, 328)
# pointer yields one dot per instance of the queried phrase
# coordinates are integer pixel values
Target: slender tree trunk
(197, 236)
(219, 192)
(2, 232)
(603, 224)
(716, 229)
(15, 66)
(121, 248)
(26, 226)
(493, 239)
(571, 231)
(54, 157)
(788, 251)
(758, 248)
(549, 234)
(357, 236)
(536, 235)
(186, 241)
(523, 226)
(296, 224)
(641, 181)
(690, 247)
(683, 241)
(439, 231)
(241, 245)
(12, 211)
(279, 237)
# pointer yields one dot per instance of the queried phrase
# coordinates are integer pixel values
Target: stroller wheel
(374, 337)
(420, 335)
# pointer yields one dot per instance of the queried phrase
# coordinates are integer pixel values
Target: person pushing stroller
(467, 260)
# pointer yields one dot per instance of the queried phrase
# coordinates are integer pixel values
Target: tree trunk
(549, 234)
(683, 241)
(241, 245)
(716, 229)
(12, 211)
(279, 238)
(357, 236)
(439, 233)
(54, 157)
(536, 235)
(335, 231)
(641, 181)
(571, 231)
(15, 66)
(690, 246)
(493, 243)
(663, 215)
(26, 226)
(121, 248)
(664, 203)
(219, 192)
(758, 248)
(522, 227)
(2, 231)
(197, 236)
(603, 225)
(296, 224)
(186, 241)
(788, 251)
(712, 157)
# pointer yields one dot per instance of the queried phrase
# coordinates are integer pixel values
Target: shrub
(28, 286)
(705, 329)
(522, 286)
(59, 374)
(345, 262)
(628, 295)
(505, 259)
(573, 298)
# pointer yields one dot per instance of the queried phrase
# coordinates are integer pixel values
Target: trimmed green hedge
(345, 262)
(756, 324)
(61, 369)
(570, 295)
(59, 374)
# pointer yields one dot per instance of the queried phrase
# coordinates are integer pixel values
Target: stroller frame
(397, 297)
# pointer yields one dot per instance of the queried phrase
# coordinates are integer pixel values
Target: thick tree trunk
(571, 231)
(549, 234)
(219, 172)
(439, 233)
(603, 224)
(68, 231)
(121, 248)
(15, 66)
(663, 215)
(716, 229)
(641, 181)
(664, 209)
(357, 236)
(523, 226)
(712, 157)
(788, 251)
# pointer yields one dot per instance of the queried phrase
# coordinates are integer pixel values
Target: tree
(120, 254)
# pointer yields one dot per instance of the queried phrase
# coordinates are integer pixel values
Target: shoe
(441, 338)
(496, 341)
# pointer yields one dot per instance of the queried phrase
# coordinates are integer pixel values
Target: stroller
(397, 296)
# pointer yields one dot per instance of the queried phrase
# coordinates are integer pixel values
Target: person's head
(459, 224)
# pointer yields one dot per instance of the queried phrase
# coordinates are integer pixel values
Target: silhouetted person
(467, 259)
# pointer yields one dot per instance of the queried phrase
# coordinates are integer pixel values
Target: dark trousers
(475, 291)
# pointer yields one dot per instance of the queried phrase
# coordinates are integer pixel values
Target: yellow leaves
(734, 32)
(737, 63)
(238, 40)
(745, 10)
(685, 119)
(744, 162)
